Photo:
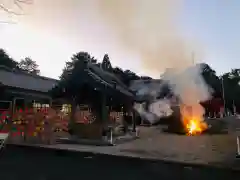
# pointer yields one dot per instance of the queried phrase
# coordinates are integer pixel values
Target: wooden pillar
(104, 112)
(133, 118)
(72, 121)
(134, 121)
(50, 102)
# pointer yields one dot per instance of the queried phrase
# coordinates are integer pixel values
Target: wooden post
(104, 113)
(73, 109)
(50, 102)
(104, 109)
(238, 147)
(134, 121)
(133, 118)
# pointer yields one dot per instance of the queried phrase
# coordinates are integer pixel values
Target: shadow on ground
(27, 163)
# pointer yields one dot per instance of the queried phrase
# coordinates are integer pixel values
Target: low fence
(33, 124)
(43, 125)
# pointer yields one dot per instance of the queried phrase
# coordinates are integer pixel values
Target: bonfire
(193, 124)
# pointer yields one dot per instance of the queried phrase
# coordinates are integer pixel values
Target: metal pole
(223, 96)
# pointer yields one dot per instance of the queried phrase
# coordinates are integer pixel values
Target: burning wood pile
(183, 121)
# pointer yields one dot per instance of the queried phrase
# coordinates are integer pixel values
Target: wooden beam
(38, 95)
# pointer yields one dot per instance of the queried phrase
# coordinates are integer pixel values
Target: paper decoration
(34, 134)
(30, 123)
(116, 116)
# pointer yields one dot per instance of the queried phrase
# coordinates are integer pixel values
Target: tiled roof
(136, 85)
(145, 89)
(96, 76)
(108, 79)
(26, 81)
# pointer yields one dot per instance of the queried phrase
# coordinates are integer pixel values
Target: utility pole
(223, 96)
(193, 58)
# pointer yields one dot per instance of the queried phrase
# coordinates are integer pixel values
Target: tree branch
(24, 1)
(7, 22)
(18, 3)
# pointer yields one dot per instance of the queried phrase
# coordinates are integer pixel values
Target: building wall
(15, 98)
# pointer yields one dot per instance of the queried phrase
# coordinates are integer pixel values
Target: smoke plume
(150, 29)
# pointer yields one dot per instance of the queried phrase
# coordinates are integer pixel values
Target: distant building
(147, 99)
(146, 90)
(20, 89)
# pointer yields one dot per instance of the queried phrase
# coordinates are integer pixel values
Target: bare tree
(18, 3)
(16, 8)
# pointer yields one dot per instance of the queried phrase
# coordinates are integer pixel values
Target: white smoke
(189, 86)
(157, 108)
(161, 108)
(150, 29)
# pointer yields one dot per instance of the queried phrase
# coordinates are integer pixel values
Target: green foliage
(7, 61)
(231, 82)
(29, 66)
(211, 79)
(26, 65)
(72, 75)
(106, 64)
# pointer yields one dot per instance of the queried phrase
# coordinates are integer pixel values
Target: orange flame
(193, 124)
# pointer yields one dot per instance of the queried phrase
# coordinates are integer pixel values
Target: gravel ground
(214, 149)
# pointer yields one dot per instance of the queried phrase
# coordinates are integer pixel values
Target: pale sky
(52, 30)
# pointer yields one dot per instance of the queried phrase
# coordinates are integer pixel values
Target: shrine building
(23, 90)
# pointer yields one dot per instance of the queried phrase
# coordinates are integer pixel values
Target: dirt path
(214, 149)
